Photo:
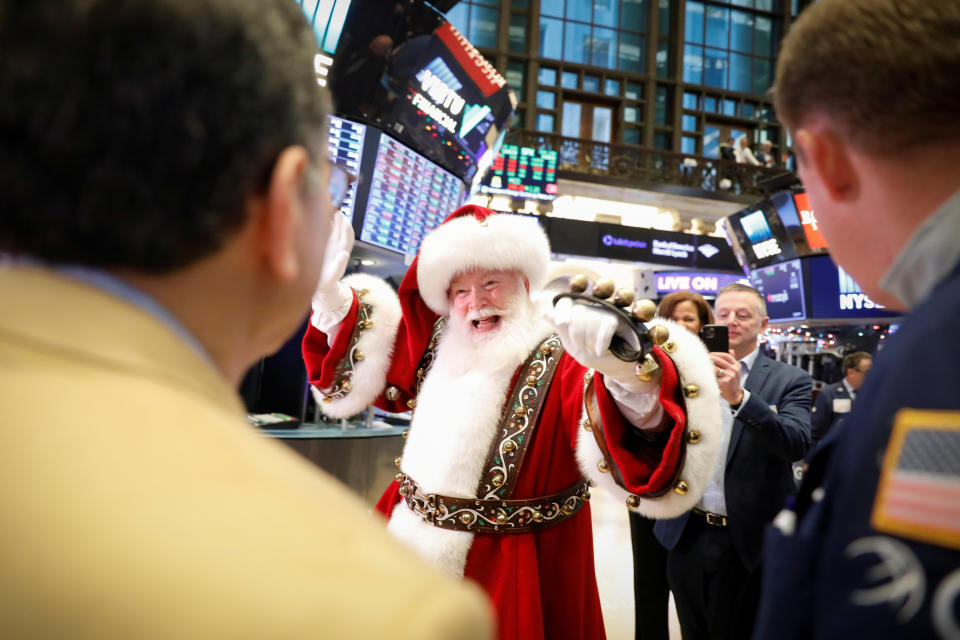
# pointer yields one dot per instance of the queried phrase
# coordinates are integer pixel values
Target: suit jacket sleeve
(786, 431)
(822, 416)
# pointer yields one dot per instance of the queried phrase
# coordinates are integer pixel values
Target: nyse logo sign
(851, 295)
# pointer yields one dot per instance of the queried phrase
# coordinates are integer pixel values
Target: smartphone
(716, 337)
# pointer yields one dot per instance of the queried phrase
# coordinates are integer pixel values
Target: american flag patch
(919, 491)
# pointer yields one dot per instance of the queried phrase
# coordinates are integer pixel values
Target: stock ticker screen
(523, 172)
(345, 146)
(782, 287)
(409, 196)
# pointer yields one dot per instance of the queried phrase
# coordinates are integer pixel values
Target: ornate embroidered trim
(341, 381)
(494, 516)
(520, 417)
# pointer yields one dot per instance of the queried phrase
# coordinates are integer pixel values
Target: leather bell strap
(494, 516)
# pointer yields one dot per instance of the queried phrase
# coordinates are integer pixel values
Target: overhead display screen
(782, 288)
(759, 237)
(834, 294)
(447, 101)
(523, 172)
(345, 145)
(808, 220)
(408, 197)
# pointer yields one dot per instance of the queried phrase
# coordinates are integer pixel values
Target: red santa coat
(542, 584)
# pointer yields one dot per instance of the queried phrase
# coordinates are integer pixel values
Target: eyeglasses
(339, 185)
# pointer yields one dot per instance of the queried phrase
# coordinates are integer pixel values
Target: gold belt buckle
(715, 519)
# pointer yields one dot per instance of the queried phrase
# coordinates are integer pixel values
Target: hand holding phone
(716, 337)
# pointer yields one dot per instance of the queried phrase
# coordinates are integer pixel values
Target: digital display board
(446, 101)
(706, 284)
(345, 146)
(808, 220)
(759, 237)
(408, 197)
(782, 288)
(834, 294)
(523, 172)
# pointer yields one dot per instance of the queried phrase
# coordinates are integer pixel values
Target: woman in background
(650, 591)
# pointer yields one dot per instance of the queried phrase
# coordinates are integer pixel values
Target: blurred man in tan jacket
(165, 208)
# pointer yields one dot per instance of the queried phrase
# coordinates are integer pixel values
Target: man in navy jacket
(713, 562)
(835, 401)
(868, 90)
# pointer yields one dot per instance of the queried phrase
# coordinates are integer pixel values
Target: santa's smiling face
(480, 299)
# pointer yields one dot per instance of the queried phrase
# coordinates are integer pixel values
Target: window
(709, 104)
(631, 135)
(516, 71)
(692, 64)
(711, 141)
(611, 87)
(591, 83)
(518, 34)
(631, 114)
(572, 115)
(689, 101)
(663, 59)
(661, 141)
(634, 91)
(665, 19)
(546, 99)
(729, 108)
(545, 122)
(569, 80)
(631, 53)
(551, 38)
(694, 24)
(662, 105)
(577, 42)
(740, 45)
(689, 123)
(688, 145)
(483, 26)
(604, 48)
(602, 33)
(547, 76)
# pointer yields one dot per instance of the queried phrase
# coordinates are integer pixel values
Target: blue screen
(834, 294)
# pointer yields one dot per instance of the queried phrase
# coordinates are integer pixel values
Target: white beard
(458, 411)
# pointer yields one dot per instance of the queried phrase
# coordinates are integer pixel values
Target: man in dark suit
(835, 401)
(857, 556)
(713, 561)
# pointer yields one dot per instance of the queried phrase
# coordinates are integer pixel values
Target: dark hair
(135, 130)
(671, 300)
(853, 360)
(883, 71)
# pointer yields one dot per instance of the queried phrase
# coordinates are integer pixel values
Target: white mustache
(483, 313)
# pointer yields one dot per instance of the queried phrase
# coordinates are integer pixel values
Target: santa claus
(515, 414)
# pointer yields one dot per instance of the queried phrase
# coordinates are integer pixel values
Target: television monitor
(443, 98)
(808, 221)
(523, 172)
(782, 288)
(833, 294)
(759, 237)
(345, 145)
(706, 284)
(407, 197)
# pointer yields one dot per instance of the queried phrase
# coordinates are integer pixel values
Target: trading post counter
(360, 457)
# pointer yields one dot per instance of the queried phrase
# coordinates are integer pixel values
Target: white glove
(331, 293)
(585, 333)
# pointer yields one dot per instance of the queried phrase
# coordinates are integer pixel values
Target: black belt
(714, 519)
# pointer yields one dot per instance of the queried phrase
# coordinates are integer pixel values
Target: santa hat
(471, 237)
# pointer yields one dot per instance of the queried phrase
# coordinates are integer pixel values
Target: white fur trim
(502, 242)
(457, 415)
(376, 343)
(703, 414)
